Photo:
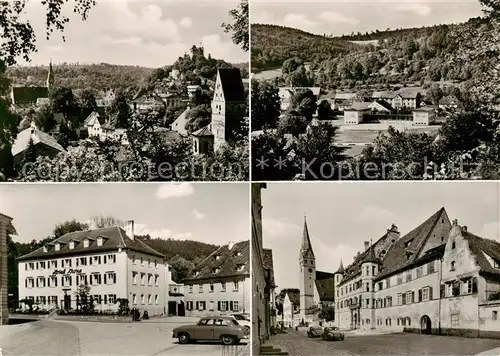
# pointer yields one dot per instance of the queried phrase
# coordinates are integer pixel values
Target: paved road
(297, 344)
(48, 337)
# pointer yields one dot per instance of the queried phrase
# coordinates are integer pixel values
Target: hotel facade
(110, 261)
(221, 283)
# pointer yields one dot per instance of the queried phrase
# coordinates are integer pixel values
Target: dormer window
(216, 270)
(496, 264)
(45, 249)
(217, 257)
(86, 243)
(57, 246)
(238, 254)
(71, 245)
(196, 273)
(100, 241)
(240, 268)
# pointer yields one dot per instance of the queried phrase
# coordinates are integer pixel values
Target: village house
(425, 116)
(220, 283)
(111, 261)
(439, 278)
(45, 144)
(354, 115)
(286, 94)
(291, 309)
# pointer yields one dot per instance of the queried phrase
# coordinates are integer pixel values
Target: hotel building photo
(110, 261)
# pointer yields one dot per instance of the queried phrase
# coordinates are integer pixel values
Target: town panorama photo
(375, 90)
(123, 91)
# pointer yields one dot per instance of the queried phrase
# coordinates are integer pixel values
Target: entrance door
(67, 302)
(181, 309)
(425, 325)
(172, 308)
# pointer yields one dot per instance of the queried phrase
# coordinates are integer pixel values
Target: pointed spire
(50, 76)
(341, 268)
(370, 257)
(306, 242)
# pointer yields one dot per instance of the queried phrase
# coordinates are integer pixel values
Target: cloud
(376, 214)
(142, 229)
(278, 228)
(337, 18)
(219, 48)
(174, 190)
(262, 17)
(198, 215)
(419, 9)
(298, 21)
(186, 22)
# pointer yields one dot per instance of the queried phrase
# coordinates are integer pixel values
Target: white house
(221, 283)
(111, 261)
(354, 115)
(424, 116)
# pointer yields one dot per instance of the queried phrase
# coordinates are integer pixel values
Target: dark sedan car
(332, 334)
(222, 328)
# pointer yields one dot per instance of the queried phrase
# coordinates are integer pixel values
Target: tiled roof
(481, 247)
(345, 96)
(359, 106)
(268, 259)
(426, 108)
(204, 131)
(399, 254)
(114, 237)
(232, 85)
(325, 284)
(384, 104)
(224, 262)
(95, 115)
(28, 95)
(384, 95)
(38, 137)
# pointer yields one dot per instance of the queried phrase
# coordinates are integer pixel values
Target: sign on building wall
(66, 271)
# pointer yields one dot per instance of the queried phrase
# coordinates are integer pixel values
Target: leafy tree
(85, 302)
(69, 226)
(266, 105)
(198, 117)
(182, 268)
(88, 103)
(101, 221)
(63, 101)
(324, 110)
(240, 27)
(120, 110)
(292, 123)
(31, 153)
(44, 118)
(327, 313)
(304, 102)
(435, 93)
(291, 65)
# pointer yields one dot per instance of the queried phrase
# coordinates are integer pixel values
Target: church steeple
(341, 268)
(306, 248)
(50, 77)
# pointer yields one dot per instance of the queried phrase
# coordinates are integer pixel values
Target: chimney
(464, 228)
(129, 229)
(367, 245)
(455, 222)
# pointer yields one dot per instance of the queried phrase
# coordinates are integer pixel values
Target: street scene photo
(372, 276)
(375, 90)
(127, 269)
(97, 91)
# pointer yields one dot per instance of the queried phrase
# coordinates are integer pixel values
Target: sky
(168, 210)
(341, 216)
(133, 32)
(340, 17)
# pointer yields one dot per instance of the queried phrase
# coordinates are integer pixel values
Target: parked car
(332, 334)
(221, 328)
(315, 331)
(243, 320)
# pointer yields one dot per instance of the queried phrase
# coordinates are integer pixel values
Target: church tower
(307, 263)
(337, 279)
(50, 77)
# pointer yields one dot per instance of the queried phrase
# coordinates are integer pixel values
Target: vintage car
(219, 328)
(243, 320)
(332, 334)
(315, 331)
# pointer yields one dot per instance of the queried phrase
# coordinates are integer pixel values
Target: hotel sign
(66, 271)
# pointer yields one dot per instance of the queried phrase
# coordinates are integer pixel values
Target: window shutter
(403, 298)
(419, 295)
(114, 278)
(105, 278)
(105, 258)
(441, 291)
(197, 305)
(474, 285)
(218, 305)
(231, 305)
(413, 296)
(430, 293)
(456, 288)
(26, 283)
(105, 299)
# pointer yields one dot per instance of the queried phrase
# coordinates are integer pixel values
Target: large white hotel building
(110, 260)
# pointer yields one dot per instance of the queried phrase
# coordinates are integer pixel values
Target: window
(143, 279)
(66, 281)
(157, 280)
(83, 261)
(495, 315)
(57, 246)
(211, 305)
(420, 271)
(454, 319)
(400, 299)
(42, 265)
(111, 298)
(467, 286)
(110, 278)
(190, 289)
(200, 288)
(223, 305)
(388, 282)
(134, 299)
(142, 299)
(99, 241)
(430, 267)
(150, 279)
(97, 260)
(223, 286)
(425, 294)
(408, 276)
(85, 243)
(211, 290)
(452, 266)
(111, 259)
(400, 279)
(134, 277)
(67, 262)
(150, 299)
(95, 279)
(52, 281)
(453, 245)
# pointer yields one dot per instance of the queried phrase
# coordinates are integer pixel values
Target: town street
(150, 337)
(298, 344)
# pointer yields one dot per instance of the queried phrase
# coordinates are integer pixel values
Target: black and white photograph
(126, 269)
(375, 90)
(396, 269)
(99, 91)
